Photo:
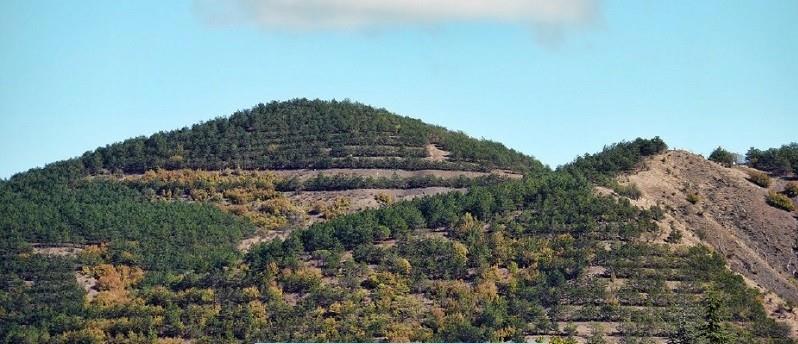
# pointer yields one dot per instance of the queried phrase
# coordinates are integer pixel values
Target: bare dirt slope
(362, 199)
(62, 250)
(731, 215)
(435, 153)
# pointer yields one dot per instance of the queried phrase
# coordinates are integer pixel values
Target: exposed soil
(88, 283)
(777, 308)
(247, 243)
(62, 250)
(584, 330)
(731, 216)
(364, 198)
(435, 153)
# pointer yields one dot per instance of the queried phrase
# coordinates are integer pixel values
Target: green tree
(597, 335)
(782, 160)
(723, 157)
(685, 332)
(713, 331)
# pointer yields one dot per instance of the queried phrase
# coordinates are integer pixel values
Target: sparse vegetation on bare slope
(732, 217)
(759, 178)
(780, 201)
(791, 189)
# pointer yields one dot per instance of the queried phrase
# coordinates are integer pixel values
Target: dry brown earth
(62, 250)
(435, 153)
(364, 198)
(731, 216)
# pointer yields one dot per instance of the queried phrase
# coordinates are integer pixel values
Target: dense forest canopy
(782, 160)
(59, 204)
(306, 134)
(44, 207)
(614, 159)
(504, 260)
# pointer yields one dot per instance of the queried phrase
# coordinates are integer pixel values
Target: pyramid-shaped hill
(236, 181)
(309, 134)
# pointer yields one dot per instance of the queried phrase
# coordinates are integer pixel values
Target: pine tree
(713, 331)
(722, 157)
(685, 334)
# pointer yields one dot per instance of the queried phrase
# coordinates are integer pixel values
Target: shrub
(384, 198)
(199, 195)
(675, 236)
(759, 178)
(382, 232)
(791, 189)
(339, 206)
(701, 233)
(693, 197)
(317, 208)
(239, 196)
(780, 201)
(723, 157)
(629, 190)
(301, 280)
(570, 329)
(369, 253)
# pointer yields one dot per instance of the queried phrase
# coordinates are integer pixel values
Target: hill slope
(104, 195)
(758, 240)
(731, 215)
(152, 226)
(309, 134)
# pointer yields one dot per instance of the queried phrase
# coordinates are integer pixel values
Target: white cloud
(547, 16)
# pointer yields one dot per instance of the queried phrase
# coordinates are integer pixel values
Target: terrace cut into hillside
(302, 134)
(712, 204)
(221, 233)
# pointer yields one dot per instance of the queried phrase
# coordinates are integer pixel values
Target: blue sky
(75, 75)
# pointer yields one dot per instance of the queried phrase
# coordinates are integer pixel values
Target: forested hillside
(306, 134)
(154, 223)
(191, 219)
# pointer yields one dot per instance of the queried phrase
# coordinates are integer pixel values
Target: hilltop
(279, 166)
(309, 134)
